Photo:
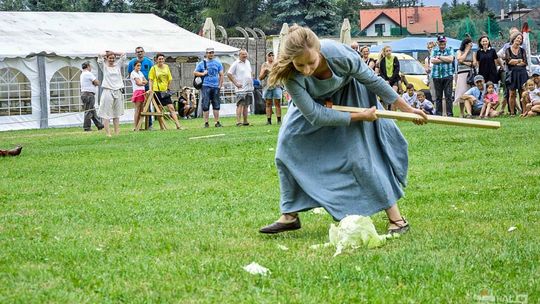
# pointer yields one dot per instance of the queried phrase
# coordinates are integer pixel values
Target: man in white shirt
(241, 76)
(89, 86)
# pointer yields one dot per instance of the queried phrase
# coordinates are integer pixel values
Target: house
(414, 21)
(42, 53)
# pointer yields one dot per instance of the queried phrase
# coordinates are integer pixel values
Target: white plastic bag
(355, 231)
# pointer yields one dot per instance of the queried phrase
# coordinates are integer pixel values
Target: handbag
(470, 76)
(198, 80)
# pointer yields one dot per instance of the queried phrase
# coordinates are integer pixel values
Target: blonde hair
(298, 40)
(528, 83)
(381, 55)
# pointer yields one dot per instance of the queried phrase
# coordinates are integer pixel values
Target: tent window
(128, 90)
(65, 91)
(15, 93)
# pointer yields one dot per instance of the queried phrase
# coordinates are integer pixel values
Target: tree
(11, 5)
(481, 6)
(491, 27)
(321, 17)
(350, 9)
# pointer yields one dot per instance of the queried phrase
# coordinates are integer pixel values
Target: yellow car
(411, 71)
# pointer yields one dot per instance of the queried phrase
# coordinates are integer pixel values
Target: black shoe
(278, 227)
(87, 130)
(218, 125)
(100, 127)
(402, 228)
(206, 125)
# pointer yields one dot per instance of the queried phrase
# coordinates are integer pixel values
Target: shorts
(164, 101)
(210, 96)
(273, 93)
(138, 96)
(476, 110)
(244, 99)
(111, 104)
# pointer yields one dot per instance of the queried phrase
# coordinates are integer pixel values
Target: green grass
(154, 217)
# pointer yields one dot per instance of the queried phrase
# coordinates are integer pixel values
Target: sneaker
(218, 125)
(206, 125)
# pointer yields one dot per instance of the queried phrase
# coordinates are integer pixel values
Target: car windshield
(411, 67)
(535, 60)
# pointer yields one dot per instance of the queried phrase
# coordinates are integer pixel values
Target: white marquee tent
(42, 53)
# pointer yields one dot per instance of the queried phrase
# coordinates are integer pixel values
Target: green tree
(321, 17)
(11, 5)
(350, 9)
(481, 6)
(491, 27)
(117, 6)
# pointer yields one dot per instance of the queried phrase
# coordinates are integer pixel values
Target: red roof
(415, 19)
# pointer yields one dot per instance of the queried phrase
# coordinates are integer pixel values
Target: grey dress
(324, 159)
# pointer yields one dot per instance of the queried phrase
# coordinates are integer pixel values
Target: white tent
(42, 52)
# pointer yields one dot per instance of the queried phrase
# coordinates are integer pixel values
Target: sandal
(238, 124)
(402, 228)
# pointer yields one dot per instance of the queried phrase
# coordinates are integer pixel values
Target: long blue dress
(324, 159)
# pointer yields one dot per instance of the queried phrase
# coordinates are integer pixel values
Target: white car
(535, 62)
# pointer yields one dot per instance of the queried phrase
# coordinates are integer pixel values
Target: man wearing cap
(241, 76)
(474, 97)
(212, 71)
(536, 76)
(89, 86)
(270, 94)
(442, 73)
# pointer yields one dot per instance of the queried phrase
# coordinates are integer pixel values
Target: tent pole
(44, 110)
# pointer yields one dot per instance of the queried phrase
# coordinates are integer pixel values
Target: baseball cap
(441, 38)
(478, 78)
(208, 50)
(536, 71)
(270, 53)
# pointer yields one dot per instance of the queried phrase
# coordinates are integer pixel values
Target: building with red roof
(414, 20)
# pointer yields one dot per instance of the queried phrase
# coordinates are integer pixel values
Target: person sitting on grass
(474, 97)
(491, 102)
(425, 105)
(186, 103)
(532, 108)
(410, 96)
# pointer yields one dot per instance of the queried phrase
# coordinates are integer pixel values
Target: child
(410, 96)
(491, 101)
(425, 105)
(533, 107)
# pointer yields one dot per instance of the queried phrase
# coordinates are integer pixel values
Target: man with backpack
(211, 72)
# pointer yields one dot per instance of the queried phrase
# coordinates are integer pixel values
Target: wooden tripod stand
(151, 99)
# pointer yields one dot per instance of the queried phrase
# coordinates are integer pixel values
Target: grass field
(156, 217)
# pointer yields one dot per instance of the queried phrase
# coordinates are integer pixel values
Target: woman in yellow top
(160, 79)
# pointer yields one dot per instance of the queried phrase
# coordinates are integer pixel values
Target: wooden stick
(463, 122)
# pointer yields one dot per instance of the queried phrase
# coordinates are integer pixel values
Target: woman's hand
(367, 115)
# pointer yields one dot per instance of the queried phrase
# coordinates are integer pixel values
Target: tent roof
(416, 44)
(82, 35)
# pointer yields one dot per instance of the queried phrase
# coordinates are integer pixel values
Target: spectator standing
(354, 46)
(241, 76)
(270, 94)
(516, 60)
(465, 66)
(487, 60)
(160, 78)
(146, 65)
(138, 83)
(89, 88)
(442, 73)
(428, 66)
(111, 102)
(212, 71)
(502, 76)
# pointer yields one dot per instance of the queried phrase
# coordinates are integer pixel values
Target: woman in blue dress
(347, 163)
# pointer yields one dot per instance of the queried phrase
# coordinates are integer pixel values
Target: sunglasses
(139, 52)
(209, 52)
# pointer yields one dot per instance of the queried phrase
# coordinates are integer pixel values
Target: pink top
(492, 98)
